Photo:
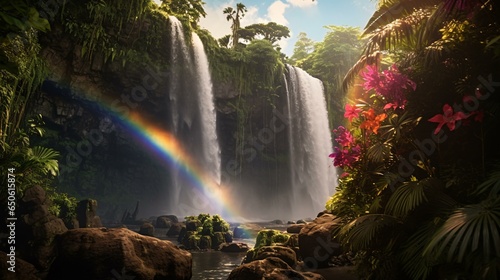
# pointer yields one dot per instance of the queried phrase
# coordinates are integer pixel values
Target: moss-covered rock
(210, 231)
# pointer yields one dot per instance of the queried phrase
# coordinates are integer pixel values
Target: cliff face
(86, 104)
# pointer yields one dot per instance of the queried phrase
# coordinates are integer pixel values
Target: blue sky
(298, 15)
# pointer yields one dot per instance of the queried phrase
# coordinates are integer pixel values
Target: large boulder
(175, 229)
(271, 268)
(37, 229)
(101, 253)
(165, 221)
(237, 247)
(284, 253)
(22, 270)
(296, 228)
(147, 229)
(316, 243)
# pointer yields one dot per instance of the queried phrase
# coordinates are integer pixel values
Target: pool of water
(214, 264)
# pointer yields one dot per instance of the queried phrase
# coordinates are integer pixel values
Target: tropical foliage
(329, 61)
(419, 186)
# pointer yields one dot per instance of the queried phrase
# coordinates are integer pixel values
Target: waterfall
(311, 172)
(193, 119)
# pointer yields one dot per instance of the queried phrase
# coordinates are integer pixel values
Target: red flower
(449, 118)
(351, 112)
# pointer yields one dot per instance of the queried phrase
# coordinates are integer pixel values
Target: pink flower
(345, 157)
(371, 77)
(449, 118)
(344, 137)
(351, 112)
(390, 84)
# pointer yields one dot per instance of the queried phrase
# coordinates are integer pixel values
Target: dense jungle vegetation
(412, 98)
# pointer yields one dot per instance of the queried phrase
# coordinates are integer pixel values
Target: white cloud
(215, 21)
(276, 12)
(252, 16)
(302, 3)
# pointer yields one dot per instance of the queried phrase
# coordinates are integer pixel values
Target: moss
(213, 228)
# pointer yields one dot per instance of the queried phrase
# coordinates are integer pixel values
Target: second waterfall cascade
(311, 171)
(193, 120)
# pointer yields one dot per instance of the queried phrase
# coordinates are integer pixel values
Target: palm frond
(393, 130)
(354, 71)
(491, 185)
(46, 159)
(379, 152)
(361, 233)
(416, 266)
(393, 9)
(466, 230)
(409, 196)
(391, 36)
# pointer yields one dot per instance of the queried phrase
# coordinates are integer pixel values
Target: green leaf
(466, 230)
(409, 196)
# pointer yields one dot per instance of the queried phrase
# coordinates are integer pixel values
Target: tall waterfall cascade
(193, 119)
(311, 171)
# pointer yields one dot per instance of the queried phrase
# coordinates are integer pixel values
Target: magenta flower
(344, 137)
(389, 84)
(345, 157)
(449, 118)
(351, 112)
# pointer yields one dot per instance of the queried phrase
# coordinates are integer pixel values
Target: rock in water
(100, 253)
(147, 229)
(165, 221)
(271, 268)
(237, 247)
(285, 254)
(316, 243)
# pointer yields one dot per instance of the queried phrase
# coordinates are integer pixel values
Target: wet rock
(205, 242)
(291, 222)
(237, 247)
(193, 225)
(278, 222)
(316, 243)
(228, 237)
(23, 270)
(100, 253)
(284, 253)
(147, 229)
(301, 222)
(175, 229)
(165, 221)
(295, 228)
(270, 269)
(217, 239)
(37, 229)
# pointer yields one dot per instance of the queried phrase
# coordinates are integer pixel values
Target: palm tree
(235, 16)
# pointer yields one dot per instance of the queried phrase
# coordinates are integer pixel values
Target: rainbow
(164, 144)
(167, 148)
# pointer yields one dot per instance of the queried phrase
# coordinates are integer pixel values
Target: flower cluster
(349, 152)
(372, 121)
(390, 84)
(366, 119)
